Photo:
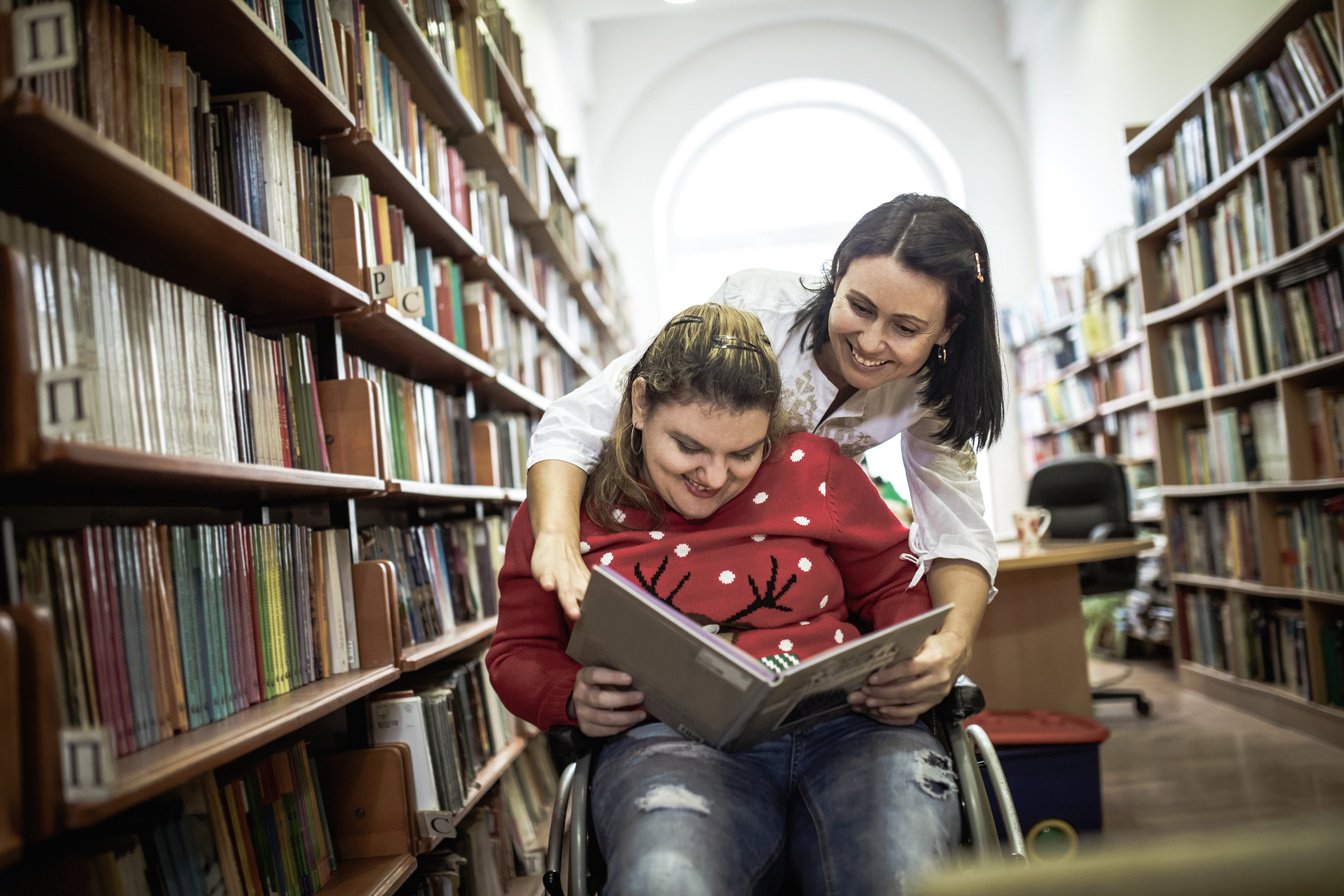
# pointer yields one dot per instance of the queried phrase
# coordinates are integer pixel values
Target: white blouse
(949, 507)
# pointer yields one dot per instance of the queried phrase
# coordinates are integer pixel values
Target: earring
(940, 353)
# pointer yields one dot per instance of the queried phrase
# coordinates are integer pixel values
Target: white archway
(775, 175)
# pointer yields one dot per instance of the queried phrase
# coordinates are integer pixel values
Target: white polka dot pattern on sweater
(797, 455)
(760, 498)
(682, 549)
(656, 535)
(727, 577)
(802, 521)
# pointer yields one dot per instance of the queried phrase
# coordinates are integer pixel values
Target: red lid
(1038, 726)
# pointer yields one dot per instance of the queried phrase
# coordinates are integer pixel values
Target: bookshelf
(383, 229)
(1081, 369)
(1083, 389)
(1240, 223)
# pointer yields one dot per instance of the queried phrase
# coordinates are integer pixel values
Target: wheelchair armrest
(963, 701)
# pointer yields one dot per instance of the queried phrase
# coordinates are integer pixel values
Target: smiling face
(698, 456)
(884, 323)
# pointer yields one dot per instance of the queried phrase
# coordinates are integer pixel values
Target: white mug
(1031, 523)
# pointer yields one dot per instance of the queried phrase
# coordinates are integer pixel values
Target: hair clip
(978, 274)
(722, 341)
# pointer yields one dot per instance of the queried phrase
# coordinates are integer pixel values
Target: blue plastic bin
(1053, 768)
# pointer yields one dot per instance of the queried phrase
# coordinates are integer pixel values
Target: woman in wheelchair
(780, 544)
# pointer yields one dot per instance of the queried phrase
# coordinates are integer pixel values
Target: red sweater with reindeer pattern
(806, 557)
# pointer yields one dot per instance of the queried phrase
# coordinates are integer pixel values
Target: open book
(710, 690)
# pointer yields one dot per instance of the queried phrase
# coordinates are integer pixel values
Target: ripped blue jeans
(849, 806)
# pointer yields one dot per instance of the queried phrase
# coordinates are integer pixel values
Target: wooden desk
(1029, 653)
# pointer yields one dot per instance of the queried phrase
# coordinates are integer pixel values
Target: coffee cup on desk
(1031, 523)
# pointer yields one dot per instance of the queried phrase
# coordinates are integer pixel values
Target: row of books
(1124, 376)
(427, 435)
(446, 572)
(376, 250)
(390, 115)
(1064, 402)
(1174, 175)
(254, 829)
(1308, 194)
(1202, 353)
(132, 361)
(1250, 447)
(162, 629)
(1256, 640)
(1325, 425)
(258, 173)
(1245, 444)
(453, 723)
(1252, 111)
(1214, 537)
(1050, 304)
(1135, 438)
(239, 152)
(1235, 237)
(320, 33)
(1311, 545)
(1300, 320)
(1112, 264)
(1041, 360)
(1110, 320)
(1038, 449)
(1244, 115)
(504, 837)
(133, 90)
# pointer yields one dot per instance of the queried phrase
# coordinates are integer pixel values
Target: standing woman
(899, 337)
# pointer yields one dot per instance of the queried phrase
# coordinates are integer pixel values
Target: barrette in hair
(978, 274)
(722, 341)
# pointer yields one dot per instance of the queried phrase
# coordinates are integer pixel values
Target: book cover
(398, 717)
(709, 690)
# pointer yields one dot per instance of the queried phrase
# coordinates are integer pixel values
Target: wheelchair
(967, 744)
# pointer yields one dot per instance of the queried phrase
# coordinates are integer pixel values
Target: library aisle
(1198, 764)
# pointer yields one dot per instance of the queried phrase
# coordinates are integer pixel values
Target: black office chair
(1088, 497)
(573, 754)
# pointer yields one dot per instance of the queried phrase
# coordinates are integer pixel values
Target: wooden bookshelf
(1238, 242)
(1082, 376)
(81, 176)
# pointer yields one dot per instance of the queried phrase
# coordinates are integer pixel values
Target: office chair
(1088, 497)
(573, 752)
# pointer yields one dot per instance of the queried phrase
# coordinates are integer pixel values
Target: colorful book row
(162, 629)
(446, 572)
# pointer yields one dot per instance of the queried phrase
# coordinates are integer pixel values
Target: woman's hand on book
(558, 566)
(605, 701)
(900, 693)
